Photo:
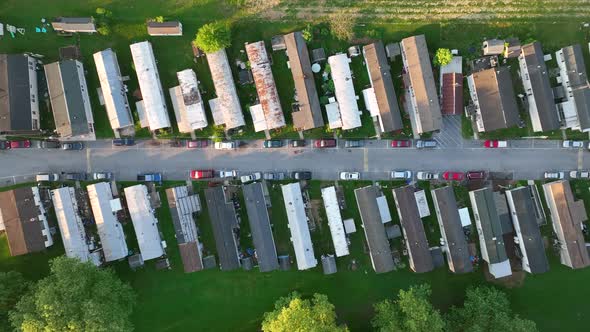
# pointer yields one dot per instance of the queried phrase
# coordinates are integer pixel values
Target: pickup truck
(150, 177)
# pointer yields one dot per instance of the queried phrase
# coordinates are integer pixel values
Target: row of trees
(485, 309)
(74, 297)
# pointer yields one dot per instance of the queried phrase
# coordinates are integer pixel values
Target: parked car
(298, 143)
(277, 176)
(150, 177)
(325, 143)
(401, 143)
(123, 141)
(20, 144)
(47, 177)
(476, 175)
(350, 175)
(494, 144)
(74, 176)
(580, 174)
(4, 145)
(72, 146)
(354, 143)
(228, 174)
(426, 144)
(273, 143)
(50, 144)
(399, 175)
(426, 176)
(554, 175)
(453, 176)
(301, 175)
(573, 144)
(195, 144)
(251, 177)
(102, 176)
(198, 174)
(229, 145)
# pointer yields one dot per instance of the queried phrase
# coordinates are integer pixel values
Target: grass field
(234, 301)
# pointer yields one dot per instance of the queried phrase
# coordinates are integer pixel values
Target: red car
(453, 176)
(476, 175)
(403, 143)
(325, 143)
(493, 144)
(202, 174)
(20, 144)
(201, 143)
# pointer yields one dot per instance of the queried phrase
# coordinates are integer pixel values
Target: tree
(486, 309)
(159, 19)
(104, 30)
(75, 296)
(12, 287)
(100, 11)
(411, 312)
(443, 57)
(292, 313)
(342, 25)
(307, 33)
(213, 37)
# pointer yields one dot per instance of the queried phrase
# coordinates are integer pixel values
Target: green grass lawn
(170, 300)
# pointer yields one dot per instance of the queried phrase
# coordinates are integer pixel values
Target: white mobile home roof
(335, 221)
(70, 224)
(113, 89)
(334, 120)
(265, 85)
(258, 118)
(345, 94)
(228, 101)
(298, 226)
(154, 102)
(188, 105)
(109, 228)
(144, 222)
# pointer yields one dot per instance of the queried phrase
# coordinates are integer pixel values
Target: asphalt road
(524, 159)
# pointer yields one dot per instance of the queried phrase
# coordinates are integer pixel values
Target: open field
(234, 301)
(436, 10)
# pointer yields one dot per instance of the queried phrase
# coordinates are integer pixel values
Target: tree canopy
(443, 57)
(75, 297)
(292, 313)
(411, 312)
(213, 37)
(487, 309)
(12, 287)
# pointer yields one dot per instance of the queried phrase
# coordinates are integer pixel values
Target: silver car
(401, 175)
(554, 175)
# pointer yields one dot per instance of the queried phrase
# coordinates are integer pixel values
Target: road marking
(88, 166)
(366, 160)
(580, 159)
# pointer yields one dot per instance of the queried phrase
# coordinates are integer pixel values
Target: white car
(47, 177)
(225, 145)
(228, 174)
(252, 177)
(401, 175)
(102, 176)
(573, 144)
(350, 175)
(554, 175)
(580, 174)
(426, 175)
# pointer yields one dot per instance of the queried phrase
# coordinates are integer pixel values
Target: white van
(47, 177)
